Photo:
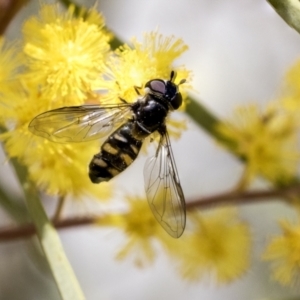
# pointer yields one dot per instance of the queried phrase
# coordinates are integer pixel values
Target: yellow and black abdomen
(117, 153)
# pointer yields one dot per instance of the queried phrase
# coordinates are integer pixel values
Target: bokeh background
(239, 52)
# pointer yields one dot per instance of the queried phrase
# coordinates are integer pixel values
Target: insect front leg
(123, 100)
(137, 89)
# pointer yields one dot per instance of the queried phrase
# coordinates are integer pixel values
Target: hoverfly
(127, 125)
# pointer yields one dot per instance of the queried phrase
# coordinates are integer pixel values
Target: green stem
(206, 120)
(14, 207)
(59, 208)
(48, 237)
(68, 3)
(289, 10)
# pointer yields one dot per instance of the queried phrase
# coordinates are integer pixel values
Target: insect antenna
(182, 81)
(173, 76)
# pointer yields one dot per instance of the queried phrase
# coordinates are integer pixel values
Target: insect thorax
(150, 115)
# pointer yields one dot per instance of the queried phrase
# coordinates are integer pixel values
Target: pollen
(10, 62)
(65, 54)
(142, 61)
(219, 246)
(140, 228)
(266, 139)
(283, 252)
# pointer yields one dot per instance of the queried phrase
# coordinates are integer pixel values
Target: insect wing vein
(79, 123)
(163, 189)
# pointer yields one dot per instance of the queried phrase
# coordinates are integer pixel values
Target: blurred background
(239, 51)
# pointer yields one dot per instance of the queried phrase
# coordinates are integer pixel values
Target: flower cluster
(283, 250)
(141, 229)
(10, 60)
(65, 59)
(266, 141)
(284, 254)
(218, 243)
(141, 62)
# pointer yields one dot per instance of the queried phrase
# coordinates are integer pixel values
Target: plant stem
(59, 208)
(289, 11)
(237, 197)
(25, 231)
(61, 269)
(8, 9)
(228, 198)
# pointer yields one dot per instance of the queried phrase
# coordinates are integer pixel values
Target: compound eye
(176, 101)
(157, 86)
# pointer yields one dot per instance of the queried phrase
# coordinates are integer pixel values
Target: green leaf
(289, 10)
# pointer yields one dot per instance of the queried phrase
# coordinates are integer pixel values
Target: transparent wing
(163, 189)
(79, 123)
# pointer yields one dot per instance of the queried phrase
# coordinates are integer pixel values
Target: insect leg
(123, 100)
(137, 88)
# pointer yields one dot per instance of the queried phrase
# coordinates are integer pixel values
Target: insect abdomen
(117, 153)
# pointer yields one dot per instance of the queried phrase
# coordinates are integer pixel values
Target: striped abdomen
(117, 153)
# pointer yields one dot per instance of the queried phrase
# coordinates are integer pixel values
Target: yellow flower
(293, 80)
(58, 169)
(10, 62)
(141, 230)
(131, 67)
(65, 54)
(267, 141)
(64, 57)
(218, 246)
(291, 93)
(284, 254)
(64, 65)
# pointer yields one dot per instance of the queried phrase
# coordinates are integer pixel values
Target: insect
(127, 125)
